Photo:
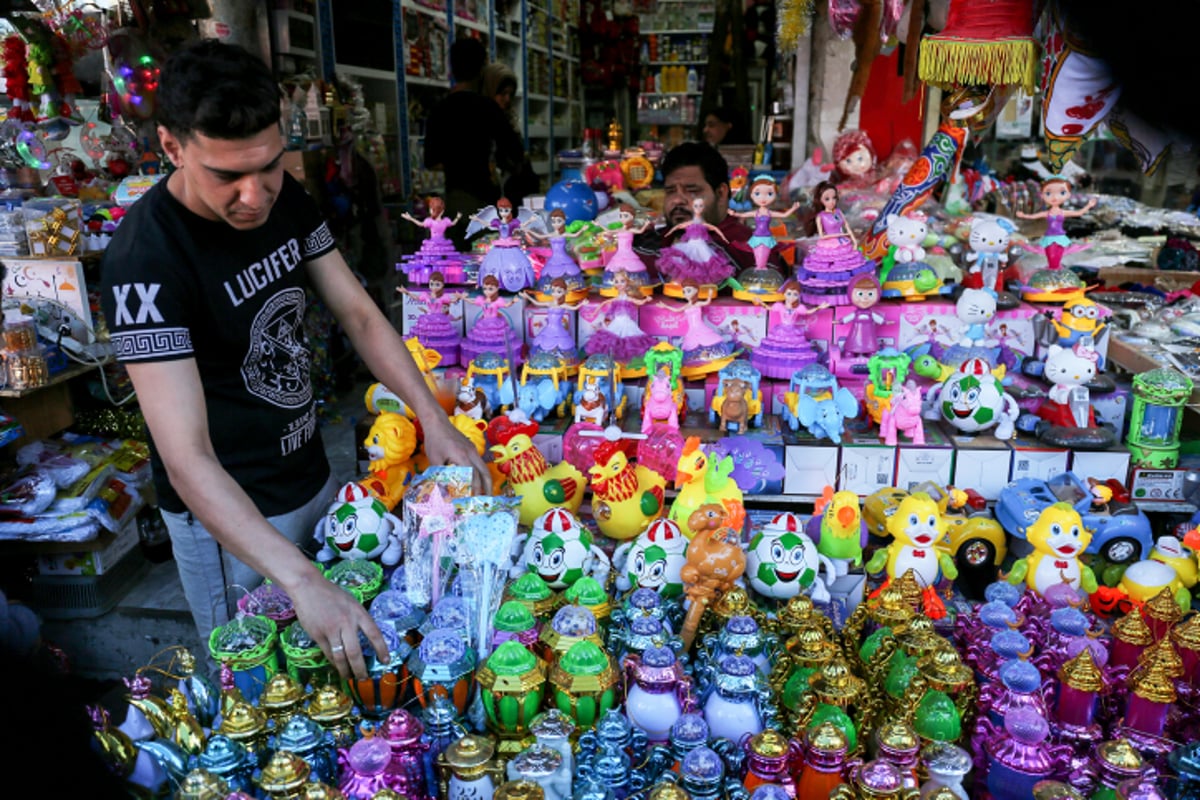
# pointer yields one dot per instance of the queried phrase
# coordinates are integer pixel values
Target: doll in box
(435, 328)
(492, 332)
(620, 337)
(624, 259)
(786, 348)
(560, 265)
(693, 257)
(556, 336)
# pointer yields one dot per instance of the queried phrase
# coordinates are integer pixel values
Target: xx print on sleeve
(135, 305)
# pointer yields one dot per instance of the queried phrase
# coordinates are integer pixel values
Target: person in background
(690, 170)
(204, 288)
(463, 133)
(722, 126)
(500, 83)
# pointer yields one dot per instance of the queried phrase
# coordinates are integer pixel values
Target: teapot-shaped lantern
(659, 691)
(467, 771)
(403, 732)
(311, 742)
(1021, 686)
(737, 700)
(742, 635)
(1021, 754)
(875, 780)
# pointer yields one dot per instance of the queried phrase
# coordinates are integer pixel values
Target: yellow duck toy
(540, 486)
(392, 447)
(1172, 565)
(625, 498)
(1058, 539)
(918, 535)
(702, 480)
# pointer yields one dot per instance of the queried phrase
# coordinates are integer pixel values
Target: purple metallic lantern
(1020, 687)
(406, 766)
(1021, 757)
(363, 768)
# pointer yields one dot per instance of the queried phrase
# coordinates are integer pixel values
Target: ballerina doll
(624, 259)
(786, 348)
(492, 331)
(621, 337)
(437, 253)
(862, 338)
(835, 260)
(1056, 191)
(556, 336)
(705, 349)
(762, 281)
(693, 257)
(560, 265)
(506, 259)
(435, 328)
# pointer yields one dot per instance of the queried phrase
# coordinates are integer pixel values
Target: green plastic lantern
(532, 592)
(1158, 400)
(588, 592)
(585, 683)
(513, 682)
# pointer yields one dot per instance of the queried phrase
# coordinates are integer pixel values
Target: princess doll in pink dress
(762, 282)
(437, 253)
(556, 336)
(505, 258)
(624, 259)
(704, 347)
(435, 328)
(491, 333)
(787, 348)
(835, 260)
(621, 337)
(694, 257)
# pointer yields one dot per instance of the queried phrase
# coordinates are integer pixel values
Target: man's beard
(679, 215)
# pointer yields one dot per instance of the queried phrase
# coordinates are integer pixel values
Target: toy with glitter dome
(560, 266)
(786, 348)
(834, 260)
(624, 259)
(694, 257)
(555, 337)
(435, 328)
(437, 253)
(761, 282)
(492, 332)
(705, 349)
(506, 259)
(620, 335)
(545, 386)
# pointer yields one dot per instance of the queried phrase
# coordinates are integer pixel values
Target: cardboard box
(551, 445)
(1032, 459)
(932, 461)
(92, 562)
(413, 308)
(808, 469)
(845, 595)
(867, 463)
(1113, 407)
(1102, 464)
(744, 323)
(982, 463)
(1157, 484)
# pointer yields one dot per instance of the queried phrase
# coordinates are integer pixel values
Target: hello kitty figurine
(976, 308)
(988, 258)
(1069, 368)
(1066, 417)
(906, 233)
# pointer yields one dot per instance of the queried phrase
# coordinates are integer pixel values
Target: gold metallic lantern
(284, 776)
(200, 784)
(281, 698)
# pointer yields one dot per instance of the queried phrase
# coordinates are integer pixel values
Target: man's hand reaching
(333, 618)
(445, 445)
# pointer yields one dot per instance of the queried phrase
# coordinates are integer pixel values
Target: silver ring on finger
(337, 648)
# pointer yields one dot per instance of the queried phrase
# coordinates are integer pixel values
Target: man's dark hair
(467, 58)
(697, 154)
(219, 90)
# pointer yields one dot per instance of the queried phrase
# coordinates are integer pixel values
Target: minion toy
(1080, 317)
(1058, 538)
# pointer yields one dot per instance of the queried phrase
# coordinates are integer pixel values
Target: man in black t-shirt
(463, 131)
(204, 292)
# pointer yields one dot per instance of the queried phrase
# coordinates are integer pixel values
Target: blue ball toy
(575, 198)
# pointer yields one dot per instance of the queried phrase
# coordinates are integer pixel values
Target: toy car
(1122, 532)
(744, 371)
(974, 539)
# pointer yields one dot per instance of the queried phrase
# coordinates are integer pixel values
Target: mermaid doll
(556, 336)
(762, 281)
(620, 337)
(435, 329)
(1056, 191)
(786, 348)
(560, 265)
(835, 260)
(694, 257)
(705, 349)
(492, 331)
(506, 259)
(624, 259)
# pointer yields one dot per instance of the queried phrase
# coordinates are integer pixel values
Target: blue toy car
(1122, 532)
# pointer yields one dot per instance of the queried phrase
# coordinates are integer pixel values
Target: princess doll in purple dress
(694, 257)
(492, 332)
(786, 348)
(556, 336)
(1056, 191)
(435, 328)
(621, 337)
(762, 280)
(506, 259)
(862, 337)
(560, 265)
(704, 347)
(624, 259)
(834, 261)
(436, 253)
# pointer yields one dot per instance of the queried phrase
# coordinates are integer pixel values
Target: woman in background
(500, 83)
